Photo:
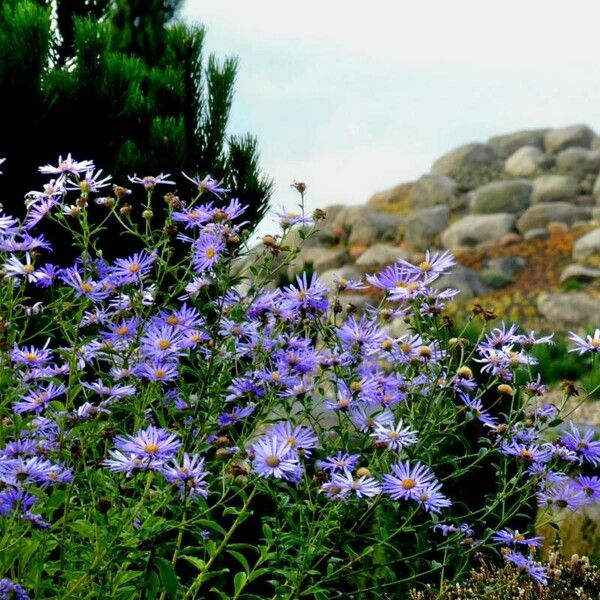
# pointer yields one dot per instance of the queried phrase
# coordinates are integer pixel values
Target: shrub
(173, 428)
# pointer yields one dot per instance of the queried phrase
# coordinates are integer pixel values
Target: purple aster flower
(126, 463)
(364, 486)
(31, 356)
(395, 277)
(38, 211)
(274, 458)
(584, 445)
(288, 219)
(446, 529)
(134, 268)
(510, 538)
(339, 462)
(151, 181)
(113, 391)
(431, 499)
(475, 406)
(38, 400)
(301, 439)
(8, 589)
(564, 494)
(432, 266)
(537, 572)
(407, 482)
(589, 344)
(362, 337)
(208, 184)
(589, 486)
(371, 420)
(93, 290)
(90, 182)
(231, 418)
(162, 342)
(188, 475)
(15, 268)
(528, 453)
(395, 437)
(157, 370)
(151, 443)
(193, 216)
(304, 296)
(207, 250)
(69, 165)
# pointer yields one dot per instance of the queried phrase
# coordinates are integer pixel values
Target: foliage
(123, 81)
(176, 428)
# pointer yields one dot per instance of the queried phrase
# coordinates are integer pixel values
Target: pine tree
(121, 83)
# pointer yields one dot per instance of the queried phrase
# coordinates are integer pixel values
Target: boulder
(578, 161)
(511, 265)
(505, 145)
(596, 190)
(587, 245)
(571, 310)
(367, 226)
(524, 162)
(567, 137)
(380, 255)
(321, 259)
(553, 188)
(595, 143)
(330, 278)
(473, 230)
(467, 158)
(430, 190)
(461, 278)
(509, 196)
(391, 197)
(539, 215)
(422, 227)
(537, 233)
(579, 273)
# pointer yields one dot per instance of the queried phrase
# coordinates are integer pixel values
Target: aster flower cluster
(151, 403)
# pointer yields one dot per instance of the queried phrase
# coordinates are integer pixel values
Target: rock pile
(515, 188)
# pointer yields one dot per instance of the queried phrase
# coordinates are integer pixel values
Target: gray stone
(380, 255)
(461, 278)
(321, 259)
(578, 161)
(505, 145)
(571, 310)
(567, 137)
(579, 273)
(368, 226)
(587, 245)
(596, 190)
(470, 157)
(538, 233)
(430, 190)
(553, 188)
(525, 162)
(473, 230)
(391, 197)
(539, 215)
(511, 265)
(330, 278)
(595, 144)
(422, 227)
(509, 196)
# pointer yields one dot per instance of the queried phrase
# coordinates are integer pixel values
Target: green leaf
(240, 558)
(168, 577)
(194, 560)
(239, 581)
(84, 528)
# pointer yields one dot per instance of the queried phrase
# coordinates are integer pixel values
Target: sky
(352, 98)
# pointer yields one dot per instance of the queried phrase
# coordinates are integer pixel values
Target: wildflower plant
(173, 426)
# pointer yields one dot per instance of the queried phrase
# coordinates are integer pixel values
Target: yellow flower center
(408, 483)
(425, 266)
(210, 252)
(134, 267)
(28, 269)
(87, 287)
(172, 320)
(273, 461)
(164, 344)
(123, 330)
(31, 356)
(160, 373)
(151, 448)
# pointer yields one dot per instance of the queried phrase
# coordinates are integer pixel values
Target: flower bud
(363, 472)
(147, 214)
(126, 209)
(464, 372)
(505, 389)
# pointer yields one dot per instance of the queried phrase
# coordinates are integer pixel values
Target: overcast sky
(355, 97)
